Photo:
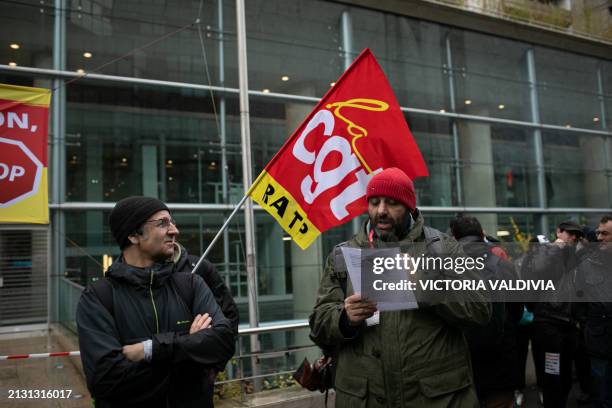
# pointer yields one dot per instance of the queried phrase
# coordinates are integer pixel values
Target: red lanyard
(371, 238)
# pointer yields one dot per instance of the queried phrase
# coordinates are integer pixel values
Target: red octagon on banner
(20, 172)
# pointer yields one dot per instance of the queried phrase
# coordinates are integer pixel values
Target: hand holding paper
(358, 309)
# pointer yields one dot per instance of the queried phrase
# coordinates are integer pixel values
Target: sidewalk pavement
(65, 373)
(55, 373)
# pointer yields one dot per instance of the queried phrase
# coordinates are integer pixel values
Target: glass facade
(515, 133)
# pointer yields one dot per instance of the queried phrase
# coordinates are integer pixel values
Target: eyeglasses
(164, 222)
(604, 233)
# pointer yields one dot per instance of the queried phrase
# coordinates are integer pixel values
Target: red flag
(318, 179)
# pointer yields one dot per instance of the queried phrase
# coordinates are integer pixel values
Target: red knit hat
(395, 184)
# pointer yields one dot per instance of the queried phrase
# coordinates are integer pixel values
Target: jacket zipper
(153, 302)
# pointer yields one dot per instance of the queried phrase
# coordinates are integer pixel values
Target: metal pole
(223, 137)
(249, 219)
(347, 38)
(604, 125)
(346, 27)
(58, 170)
(537, 139)
(452, 106)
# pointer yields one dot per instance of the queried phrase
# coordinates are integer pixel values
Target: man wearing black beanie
(151, 333)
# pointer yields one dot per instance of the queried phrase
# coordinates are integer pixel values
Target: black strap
(340, 272)
(103, 289)
(183, 283)
(433, 240)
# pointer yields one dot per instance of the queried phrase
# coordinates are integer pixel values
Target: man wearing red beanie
(403, 358)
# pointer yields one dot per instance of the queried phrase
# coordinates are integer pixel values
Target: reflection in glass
(144, 40)
(433, 136)
(293, 46)
(142, 140)
(412, 54)
(26, 30)
(490, 76)
(567, 88)
(515, 172)
(576, 174)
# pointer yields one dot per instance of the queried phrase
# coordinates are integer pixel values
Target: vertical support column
(476, 148)
(452, 106)
(346, 26)
(163, 178)
(223, 140)
(604, 126)
(150, 176)
(537, 139)
(94, 176)
(249, 219)
(307, 264)
(58, 193)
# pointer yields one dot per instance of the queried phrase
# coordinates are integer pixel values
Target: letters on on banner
(318, 178)
(24, 114)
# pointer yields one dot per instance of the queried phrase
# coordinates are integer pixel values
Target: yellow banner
(32, 210)
(24, 118)
(277, 201)
(24, 94)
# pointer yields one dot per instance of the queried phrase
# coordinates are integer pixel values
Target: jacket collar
(154, 275)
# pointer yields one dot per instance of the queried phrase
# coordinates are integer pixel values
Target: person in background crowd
(582, 362)
(594, 272)
(493, 348)
(523, 340)
(555, 324)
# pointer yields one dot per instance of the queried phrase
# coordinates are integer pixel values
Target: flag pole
(223, 228)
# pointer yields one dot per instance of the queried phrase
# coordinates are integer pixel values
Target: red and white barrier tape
(40, 355)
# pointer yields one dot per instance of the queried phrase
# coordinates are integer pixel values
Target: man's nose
(173, 230)
(382, 208)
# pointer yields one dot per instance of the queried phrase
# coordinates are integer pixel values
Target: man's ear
(133, 239)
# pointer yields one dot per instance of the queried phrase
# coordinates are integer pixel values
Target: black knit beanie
(129, 214)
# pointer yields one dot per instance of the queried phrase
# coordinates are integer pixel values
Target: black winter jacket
(594, 283)
(146, 306)
(557, 264)
(211, 277)
(493, 348)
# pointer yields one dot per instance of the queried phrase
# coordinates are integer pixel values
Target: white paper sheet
(402, 300)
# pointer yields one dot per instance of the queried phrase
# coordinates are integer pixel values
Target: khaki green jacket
(413, 358)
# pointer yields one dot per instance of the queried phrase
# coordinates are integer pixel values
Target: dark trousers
(524, 335)
(602, 381)
(583, 364)
(557, 342)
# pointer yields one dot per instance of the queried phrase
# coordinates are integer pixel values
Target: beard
(399, 229)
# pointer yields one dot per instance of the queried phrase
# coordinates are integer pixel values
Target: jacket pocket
(445, 382)
(351, 391)
(594, 276)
